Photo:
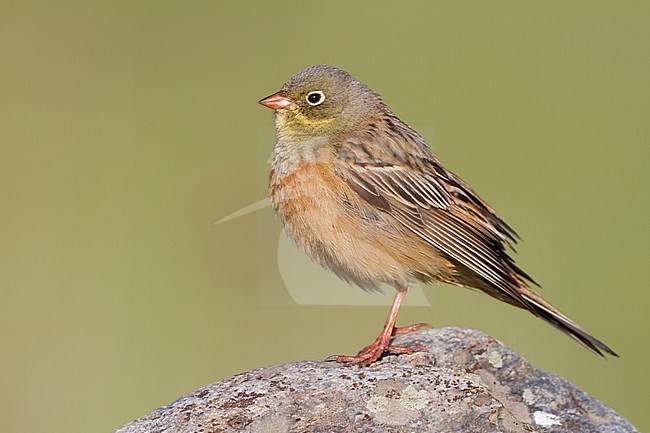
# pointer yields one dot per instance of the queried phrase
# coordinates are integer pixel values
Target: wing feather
(407, 182)
(439, 207)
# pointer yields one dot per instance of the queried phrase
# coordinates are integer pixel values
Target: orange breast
(345, 234)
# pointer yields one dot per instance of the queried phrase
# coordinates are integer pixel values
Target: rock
(466, 382)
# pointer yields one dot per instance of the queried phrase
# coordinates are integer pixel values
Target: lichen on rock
(465, 382)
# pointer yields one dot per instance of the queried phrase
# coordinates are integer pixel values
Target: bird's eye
(315, 98)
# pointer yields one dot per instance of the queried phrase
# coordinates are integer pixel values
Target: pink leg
(371, 353)
(410, 328)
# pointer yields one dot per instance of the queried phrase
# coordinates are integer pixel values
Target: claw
(382, 345)
(373, 352)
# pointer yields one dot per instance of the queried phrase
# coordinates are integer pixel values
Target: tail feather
(550, 314)
(531, 301)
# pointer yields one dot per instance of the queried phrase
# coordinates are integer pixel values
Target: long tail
(540, 308)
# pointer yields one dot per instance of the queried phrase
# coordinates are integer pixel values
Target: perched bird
(361, 193)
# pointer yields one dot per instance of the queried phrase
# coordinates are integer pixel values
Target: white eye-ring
(315, 98)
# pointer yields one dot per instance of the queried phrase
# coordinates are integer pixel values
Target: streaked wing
(436, 205)
(410, 190)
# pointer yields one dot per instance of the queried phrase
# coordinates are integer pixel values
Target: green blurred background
(128, 128)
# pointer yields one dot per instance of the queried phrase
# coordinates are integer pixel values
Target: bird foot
(371, 353)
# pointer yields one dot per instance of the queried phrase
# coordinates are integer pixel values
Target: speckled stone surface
(466, 382)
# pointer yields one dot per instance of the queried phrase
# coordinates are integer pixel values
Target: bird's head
(321, 101)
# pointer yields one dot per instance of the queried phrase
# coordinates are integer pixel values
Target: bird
(363, 195)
